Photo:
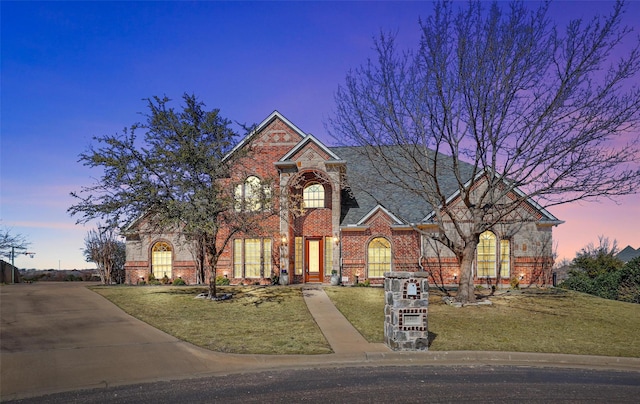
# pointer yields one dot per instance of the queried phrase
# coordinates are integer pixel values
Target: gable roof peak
(260, 127)
(309, 138)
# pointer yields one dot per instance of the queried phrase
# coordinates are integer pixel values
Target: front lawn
(275, 320)
(259, 320)
(536, 320)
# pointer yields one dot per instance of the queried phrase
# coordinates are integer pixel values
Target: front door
(313, 260)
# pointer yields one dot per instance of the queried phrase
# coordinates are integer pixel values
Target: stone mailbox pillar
(405, 311)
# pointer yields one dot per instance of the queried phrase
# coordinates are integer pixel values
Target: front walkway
(339, 332)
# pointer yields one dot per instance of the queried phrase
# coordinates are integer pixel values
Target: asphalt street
(417, 384)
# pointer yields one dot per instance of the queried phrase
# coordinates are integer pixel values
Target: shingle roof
(369, 189)
(628, 253)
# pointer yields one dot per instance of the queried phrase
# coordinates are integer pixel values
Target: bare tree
(10, 240)
(497, 106)
(103, 247)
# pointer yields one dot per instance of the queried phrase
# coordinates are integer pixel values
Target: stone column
(405, 311)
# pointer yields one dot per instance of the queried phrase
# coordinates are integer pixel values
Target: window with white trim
(252, 258)
(252, 195)
(379, 257)
(492, 256)
(161, 257)
(313, 196)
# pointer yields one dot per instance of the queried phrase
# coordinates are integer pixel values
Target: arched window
(489, 253)
(252, 195)
(313, 196)
(161, 260)
(379, 254)
(486, 255)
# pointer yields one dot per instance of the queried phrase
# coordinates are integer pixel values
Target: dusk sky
(74, 70)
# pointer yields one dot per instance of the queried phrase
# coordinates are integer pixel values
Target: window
(252, 195)
(486, 255)
(489, 253)
(313, 196)
(505, 262)
(161, 260)
(379, 253)
(328, 255)
(252, 258)
(298, 256)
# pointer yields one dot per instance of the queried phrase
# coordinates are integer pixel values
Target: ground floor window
(299, 256)
(161, 258)
(379, 257)
(328, 255)
(492, 256)
(252, 258)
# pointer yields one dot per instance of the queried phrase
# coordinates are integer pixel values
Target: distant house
(351, 222)
(628, 253)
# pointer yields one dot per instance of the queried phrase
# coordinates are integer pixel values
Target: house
(628, 253)
(334, 215)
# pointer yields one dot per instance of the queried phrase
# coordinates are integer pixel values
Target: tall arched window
(491, 256)
(313, 196)
(161, 258)
(379, 254)
(486, 255)
(252, 195)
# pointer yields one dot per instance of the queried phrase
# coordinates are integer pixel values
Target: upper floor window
(313, 196)
(252, 195)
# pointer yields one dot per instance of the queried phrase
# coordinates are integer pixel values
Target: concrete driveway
(62, 336)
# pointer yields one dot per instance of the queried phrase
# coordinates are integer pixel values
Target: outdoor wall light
(284, 239)
(455, 276)
(521, 276)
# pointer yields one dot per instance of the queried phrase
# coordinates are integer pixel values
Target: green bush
(179, 282)
(622, 284)
(222, 280)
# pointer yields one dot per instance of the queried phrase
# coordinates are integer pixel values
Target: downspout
(340, 255)
(421, 252)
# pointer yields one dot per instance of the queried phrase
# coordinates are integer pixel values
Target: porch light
(284, 239)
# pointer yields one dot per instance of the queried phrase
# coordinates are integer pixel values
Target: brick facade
(319, 237)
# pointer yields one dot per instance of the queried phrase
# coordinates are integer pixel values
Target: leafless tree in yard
(103, 247)
(508, 105)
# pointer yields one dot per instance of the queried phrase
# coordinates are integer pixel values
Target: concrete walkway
(58, 337)
(339, 332)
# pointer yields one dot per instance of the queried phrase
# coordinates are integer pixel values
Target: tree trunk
(466, 288)
(212, 283)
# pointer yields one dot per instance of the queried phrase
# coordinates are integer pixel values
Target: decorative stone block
(406, 309)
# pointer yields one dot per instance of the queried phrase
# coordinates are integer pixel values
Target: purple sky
(72, 70)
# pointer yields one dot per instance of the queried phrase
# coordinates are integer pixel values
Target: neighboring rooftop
(628, 253)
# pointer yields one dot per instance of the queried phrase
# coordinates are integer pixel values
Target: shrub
(165, 280)
(222, 280)
(179, 282)
(515, 283)
(622, 284)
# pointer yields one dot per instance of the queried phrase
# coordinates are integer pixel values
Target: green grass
(260, 320)
(275, 320)
(544, 320)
